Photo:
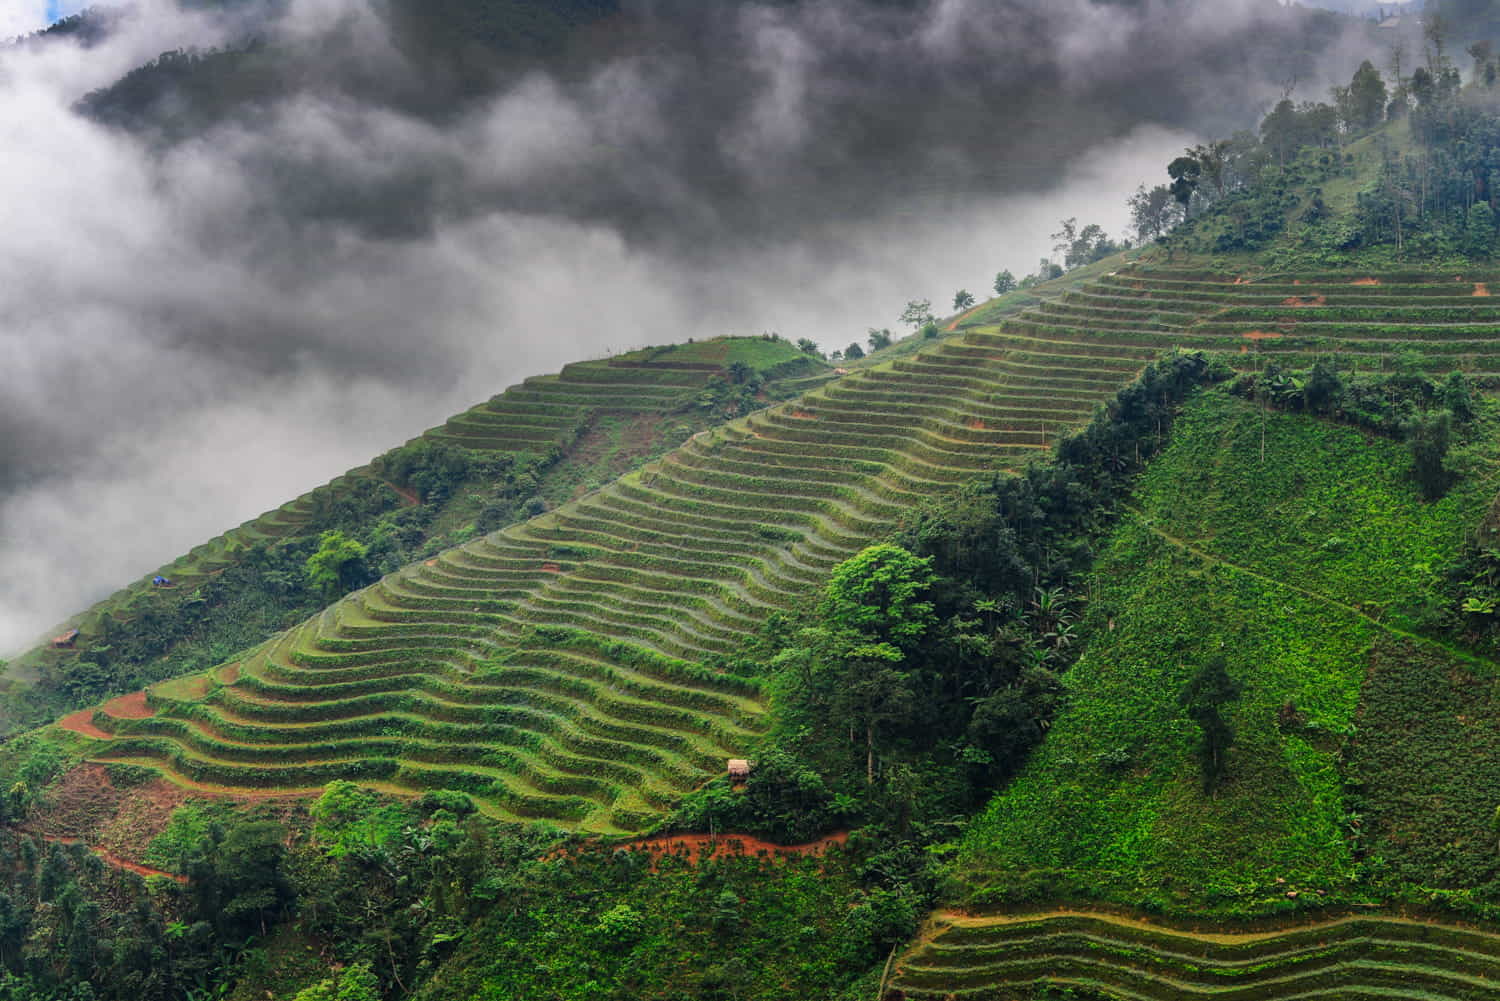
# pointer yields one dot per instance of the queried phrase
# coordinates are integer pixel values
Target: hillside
(525, 450)
(1132, 635)
(1303, 571)
(538, 670)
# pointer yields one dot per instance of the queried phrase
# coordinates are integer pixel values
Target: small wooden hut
(739, 770)
(66, 640)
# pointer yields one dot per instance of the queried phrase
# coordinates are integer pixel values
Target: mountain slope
(532, 446)
(488, 667)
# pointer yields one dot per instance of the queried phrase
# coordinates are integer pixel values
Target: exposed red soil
(85, 804)
(1305, 300)
(1298, 281)
(1242, 280)
(1481, 290)
(697, 847)
(975, 424)
(132, 706)
(804, 415)
(1365, 281)
(83, 722)
(230, 674)
(1261, 335)
(551, 568)
(408, 496)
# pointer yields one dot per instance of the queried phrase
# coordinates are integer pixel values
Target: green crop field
(1104, 955)
(552, 669)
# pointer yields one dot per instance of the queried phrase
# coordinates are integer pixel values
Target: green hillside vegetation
(1293, 571)
(522, 452)
(1139, 628)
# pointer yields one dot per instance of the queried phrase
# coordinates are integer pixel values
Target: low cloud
(195, 329)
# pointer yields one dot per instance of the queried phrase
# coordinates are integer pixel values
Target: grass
(1293, 570)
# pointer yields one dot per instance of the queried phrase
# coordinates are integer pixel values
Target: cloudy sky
(196, 325)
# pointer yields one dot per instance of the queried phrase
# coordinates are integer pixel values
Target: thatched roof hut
(739, 769)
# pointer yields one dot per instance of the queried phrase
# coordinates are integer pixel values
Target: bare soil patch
(1305, 300)
(975, 424)
(1365, 281)
(132, 706)
(82, 722)
(1481, 290)
(1261, 335)
(804, 415)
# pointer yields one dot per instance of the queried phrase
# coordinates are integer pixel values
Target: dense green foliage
(611, 926)
(1289, 569)
(935, 669)
(1424, 772)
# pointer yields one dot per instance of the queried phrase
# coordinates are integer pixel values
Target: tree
(1213, 162)
(1278, 131)
(1479, 231)
(1005, 282)
(881, 338)
(1204, 697)
(1153, 213)
(962, 300)
(876, 609)
(1435, 38)
(808, 346)
(917, 312)
(882, 593)
(854, 352)
(1367, 97)
(1185, 172)
(1429, 437)
(339, 564)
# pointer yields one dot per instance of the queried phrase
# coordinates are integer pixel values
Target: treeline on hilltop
(1438, 199)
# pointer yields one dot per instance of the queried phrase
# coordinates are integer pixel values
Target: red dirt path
(698, 846)
(110, 858)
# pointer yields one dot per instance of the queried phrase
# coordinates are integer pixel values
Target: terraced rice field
(1354, 957)
(551, 669)
(535, 416)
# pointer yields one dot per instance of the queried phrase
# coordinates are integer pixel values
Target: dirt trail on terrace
(110, 858)
(1456, 652)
